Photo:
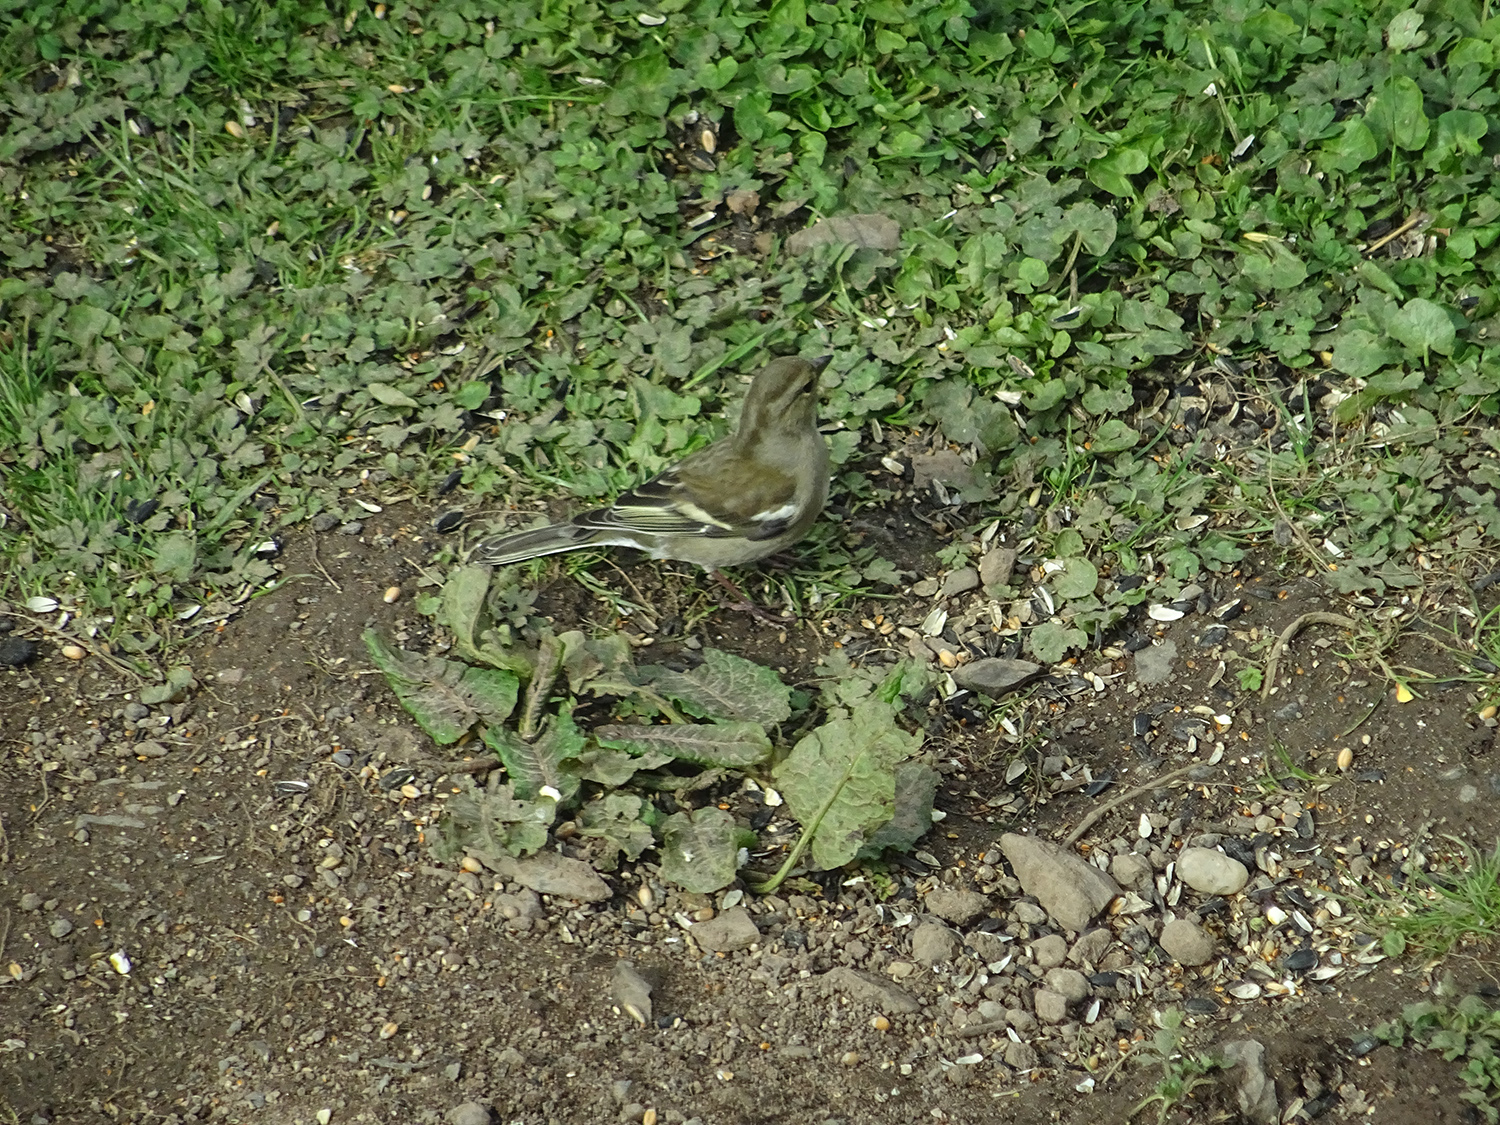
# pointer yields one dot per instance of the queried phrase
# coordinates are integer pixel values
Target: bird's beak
(821, 362)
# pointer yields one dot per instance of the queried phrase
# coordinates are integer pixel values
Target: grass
(263, 262)
(1458, 904)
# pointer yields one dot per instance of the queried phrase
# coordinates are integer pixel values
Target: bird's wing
(716, 497)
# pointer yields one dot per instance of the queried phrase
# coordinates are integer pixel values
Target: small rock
(61, 928)
(996, 566)
(1030, 913)
(135, 712)
(548, 873)
(1068, 983)
(961, 581)
(1021, 1056)
(925, 588)
(1070, 890)
(1020, 1019)
(1153, 664)
(871, 990)
(989, 946)
(1091, 947)
(1049, 951)
(1211, 872)
(31, 901)
(1051, 1007)
(731, 930)
(470, 1113)
(1186, 942)
(958, 907)
(932, 943)
(1254, 1090)
(994, 676)
(15, 651)
(632, 992)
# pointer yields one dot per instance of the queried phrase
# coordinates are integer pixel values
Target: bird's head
(783, 398)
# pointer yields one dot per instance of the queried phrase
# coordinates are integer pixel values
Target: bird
(734, 502)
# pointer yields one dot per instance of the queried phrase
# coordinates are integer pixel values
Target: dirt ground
(295, 954)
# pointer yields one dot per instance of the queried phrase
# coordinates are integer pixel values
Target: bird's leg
(745, 604)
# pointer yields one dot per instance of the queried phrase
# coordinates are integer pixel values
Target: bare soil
(293, 948)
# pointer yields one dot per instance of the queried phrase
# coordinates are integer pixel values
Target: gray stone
(1030, 913)
(1068, 983)
(932, 943)
(1153, 664)
(961, 581)
(1186, 942)
(1020, 1019)
(470, 1113)
(632, 992)
(994, 676)
(871, 990)
(1021, 1056)
(548, 873)
(1254, 1090)
(1091, 947)
(31, 901)
(61, 928)
(1210, 872)
(989, 946)
(1070, 890)
(1131, 870)
(958, 907)
(996, 566)
(1049, 951)
(1051, 1007)
(731, 930)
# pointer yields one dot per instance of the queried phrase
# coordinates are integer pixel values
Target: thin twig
(1416, 218)
(4, 843)
(1129, 795)
(323, 570)
(84, 644)
(1317, 617)
(1363, 718)
(1301, 536)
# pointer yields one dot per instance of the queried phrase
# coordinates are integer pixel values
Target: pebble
(994, 676)
(996, 565)
(1211, 872)
(734, 929)
(61, 928)
(632, 992)
(1051, 1007)
(1068, 983)
(958, 907)
(1049, 951)
(1130, 870)
(469, 1113)
(1021, 1056)
(1186, 942)
(932, 943)
(1070, 890)
(31, 901)
(871, 990)
(961, 581)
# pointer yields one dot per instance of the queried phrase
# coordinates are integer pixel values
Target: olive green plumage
(745, 497)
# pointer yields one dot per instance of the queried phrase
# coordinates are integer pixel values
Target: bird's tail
(534, 543)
